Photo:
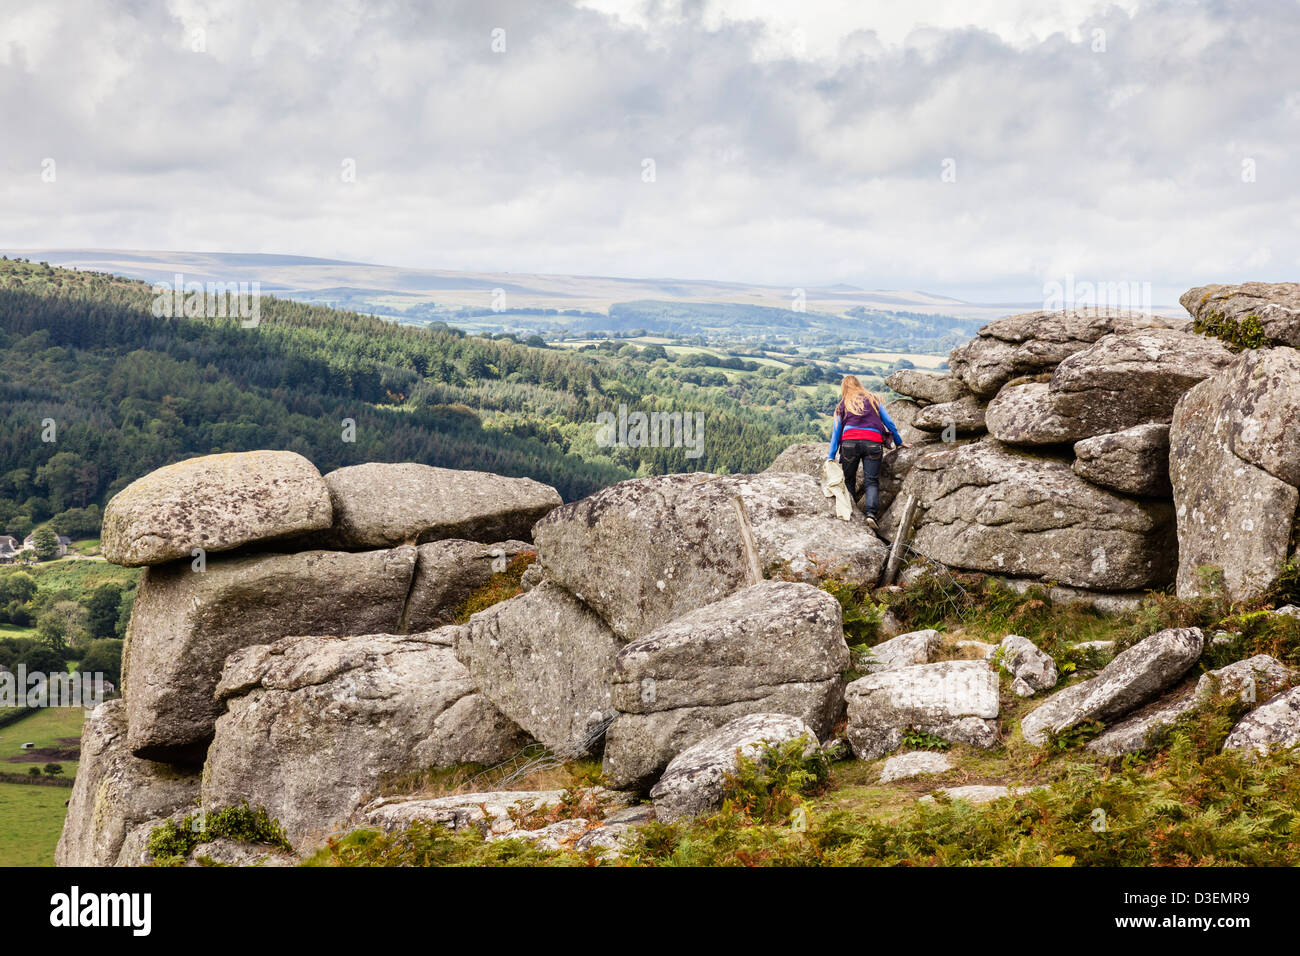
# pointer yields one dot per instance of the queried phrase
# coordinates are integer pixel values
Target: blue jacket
(839, 427)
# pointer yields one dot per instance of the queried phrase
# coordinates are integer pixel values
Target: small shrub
(1247, 333)
(920, 740)
(861, 615)
(770, 784)
(171, 843)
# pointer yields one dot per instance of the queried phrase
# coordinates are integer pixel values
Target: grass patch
(500, 587)
(31, 819)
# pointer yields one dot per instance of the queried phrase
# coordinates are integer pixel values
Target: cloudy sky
(977, 148)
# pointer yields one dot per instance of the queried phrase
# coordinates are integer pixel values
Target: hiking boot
(871, 522)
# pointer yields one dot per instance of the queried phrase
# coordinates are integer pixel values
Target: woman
(858, 434)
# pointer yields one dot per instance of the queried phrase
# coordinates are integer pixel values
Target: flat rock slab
(906, 650)
(777, 647)
(185, 623)
(381, 505)
(644, 552)
(491, 811)
(914, 764)
(116, 794)
(977, 793)
(694, 782)
(954, 700)
(547, 661)
(216, 503)
(313, 725)
(1134, 677)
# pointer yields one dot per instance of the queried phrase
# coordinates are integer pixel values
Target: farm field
(31, 816)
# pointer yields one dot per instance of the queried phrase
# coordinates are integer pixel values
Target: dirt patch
(46, 755)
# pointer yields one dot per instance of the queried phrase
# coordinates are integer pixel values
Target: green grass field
(49, 728)
(31, 819)
(78, 574)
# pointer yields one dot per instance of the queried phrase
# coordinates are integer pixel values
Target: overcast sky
(798, 143)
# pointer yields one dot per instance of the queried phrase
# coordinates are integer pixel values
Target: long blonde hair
(855, 397)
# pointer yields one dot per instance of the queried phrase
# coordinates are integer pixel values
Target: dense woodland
(127, 392)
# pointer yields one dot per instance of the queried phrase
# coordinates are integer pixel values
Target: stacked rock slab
(380, 505)
(1124, 379)
(1251, 681)
(235, 576)
(776, 647)
(1234, 461)
(185, 623)
(1034, 342)
(1133, 678)
(993, 508)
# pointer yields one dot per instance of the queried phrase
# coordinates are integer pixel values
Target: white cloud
(777, 161)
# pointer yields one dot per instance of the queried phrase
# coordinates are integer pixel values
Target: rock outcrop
(644, 552)
(1122, 380)
(186, 622)
(1271, 308)
(988, 507)
(214, 503)
(117, 796)
(1234, 460)
(1251, 681)
(1034, 342)
(955, 700)
(694, 781)
(547, 662)
(776, 647)
(314, 724)
(929, 387)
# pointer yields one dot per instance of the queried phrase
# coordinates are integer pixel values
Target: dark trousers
(868, 454)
